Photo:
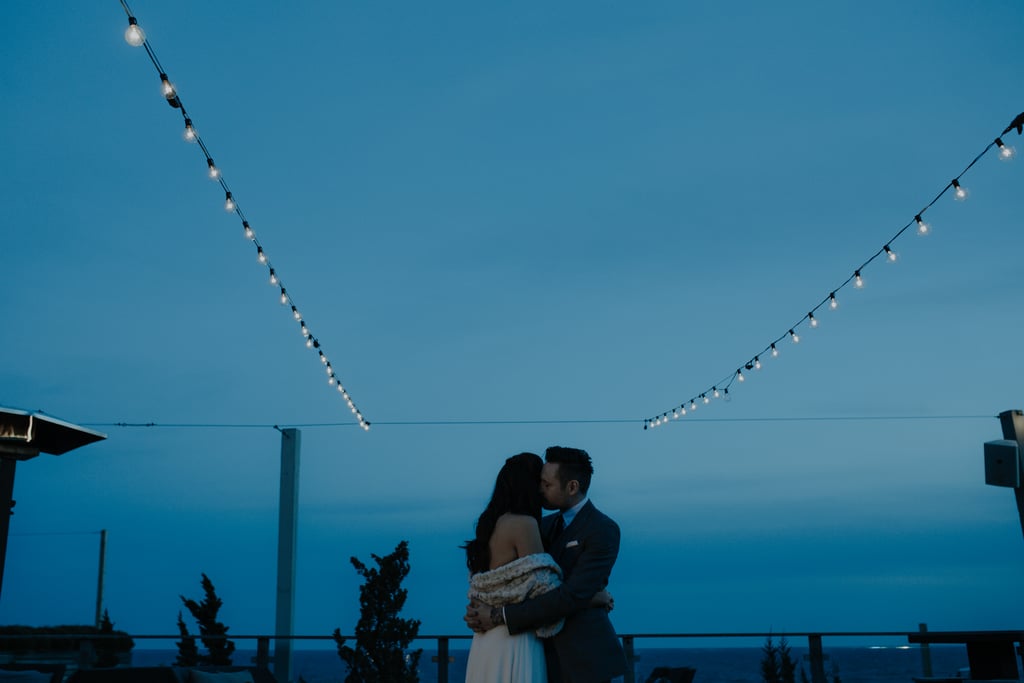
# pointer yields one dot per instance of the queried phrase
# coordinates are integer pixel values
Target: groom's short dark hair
(573, 463)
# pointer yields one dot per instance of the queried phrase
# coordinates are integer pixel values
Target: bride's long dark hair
(516, 490)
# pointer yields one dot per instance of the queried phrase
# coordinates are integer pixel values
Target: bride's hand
(603, 599)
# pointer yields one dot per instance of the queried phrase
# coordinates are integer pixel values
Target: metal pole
(7, 466)
(1012, 422)
(286, 536)
(99, 586)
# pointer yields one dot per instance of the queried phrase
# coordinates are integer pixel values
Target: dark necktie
(556, 527)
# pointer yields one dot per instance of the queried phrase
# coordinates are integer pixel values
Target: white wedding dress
(497, 656)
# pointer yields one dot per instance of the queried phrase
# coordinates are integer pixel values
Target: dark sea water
(714, 665)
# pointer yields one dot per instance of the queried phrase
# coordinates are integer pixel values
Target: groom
(584, 543)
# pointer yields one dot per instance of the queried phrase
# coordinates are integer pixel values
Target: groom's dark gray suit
(586, 649)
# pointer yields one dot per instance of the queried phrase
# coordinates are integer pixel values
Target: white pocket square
(572, 544)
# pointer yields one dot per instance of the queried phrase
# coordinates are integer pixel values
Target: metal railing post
(442, 660)
(926, 654)
(817, 657)
(263, 652)
(628, 648)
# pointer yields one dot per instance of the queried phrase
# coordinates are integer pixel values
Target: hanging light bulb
(284, 296)
(273, 277)
(693, 405)
(330, 370)
(959, 192)
(260, 256)
(249, 234)
(739, 377)
(705, 399)
(189, 134)
(922, 227)
(134, 35)
(214, 171)
(296, 314)
(1005, 153)
(858, 281)
(757, 363)
(341, 389)
(675, 414)
(323, 358)
(812, 320)
(889, 253)
(775, 351)
(714, 392)
(309, 342)
(682, 410)
(833, 303)
(331, 380)
(229, 202)
(365, 426)
(169, 93)
(305, 330)
(794, 336)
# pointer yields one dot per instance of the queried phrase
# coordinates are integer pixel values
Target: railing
(816, 656)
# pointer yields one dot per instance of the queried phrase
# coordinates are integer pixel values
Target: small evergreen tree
(188, 653)
(777, 665)
(770, 662)
(212, 632)
(379, 655)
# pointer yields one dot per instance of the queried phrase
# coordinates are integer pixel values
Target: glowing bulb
(682, 410)
(775, 351)
(922, 227)
(739, 376)
(675, 414)
(330, 370)
(249, 234)
(273, 277)
(757, 363)
(309, 342)
(284, 296)
(260, 256)
(305, 330)
(341, 389)
(330, 380)
(166, 88)
(812, 320)
(706, 399)
(833, 303)
(693, 405)
(134, 34)
(890, 254)
(214, 171)
(190, 134)
(366, 426)
(858, 281)
(296, 314)
(1005, 153)
(794, 336)
(714, 392)
(323, 358)
(229, 202)
(959, 192)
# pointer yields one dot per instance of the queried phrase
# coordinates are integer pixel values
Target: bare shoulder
(512, 522)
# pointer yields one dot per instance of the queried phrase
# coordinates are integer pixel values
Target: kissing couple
(538, 605)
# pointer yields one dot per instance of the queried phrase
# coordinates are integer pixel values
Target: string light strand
(136, 37)
(830, 301)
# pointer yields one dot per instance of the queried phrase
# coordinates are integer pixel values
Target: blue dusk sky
(511, 226)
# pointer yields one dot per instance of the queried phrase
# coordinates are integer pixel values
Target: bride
(507, 564)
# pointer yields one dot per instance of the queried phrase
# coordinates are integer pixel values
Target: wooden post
(287, 529)
(817, 657)
(99, 581)
(926, 654)
(1012, 422)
